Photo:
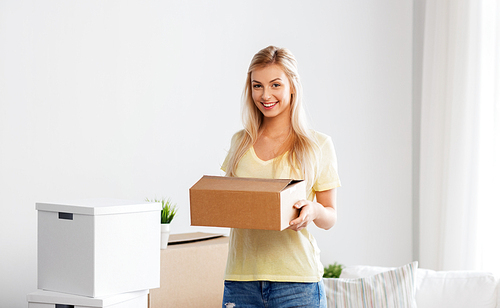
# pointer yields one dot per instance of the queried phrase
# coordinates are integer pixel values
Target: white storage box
(47, 299)
(98, 247)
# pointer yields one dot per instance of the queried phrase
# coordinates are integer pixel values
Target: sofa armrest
(498, 293)
(457, 289)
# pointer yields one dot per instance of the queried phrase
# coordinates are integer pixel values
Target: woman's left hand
(323, 212)
(307, 214)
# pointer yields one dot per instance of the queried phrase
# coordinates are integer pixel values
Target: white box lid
(49, 297)
(99, 206)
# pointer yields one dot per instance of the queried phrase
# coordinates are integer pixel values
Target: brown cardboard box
(192, 272)
(246, 203)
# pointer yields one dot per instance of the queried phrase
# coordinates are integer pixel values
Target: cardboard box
(246, 203)
(192, 271)
(98, 247)
(47, 299)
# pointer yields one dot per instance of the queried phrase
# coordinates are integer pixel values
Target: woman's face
(271, 91)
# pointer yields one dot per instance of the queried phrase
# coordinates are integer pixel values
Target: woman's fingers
(302, 221)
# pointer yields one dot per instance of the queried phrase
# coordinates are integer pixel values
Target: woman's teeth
(268, 105)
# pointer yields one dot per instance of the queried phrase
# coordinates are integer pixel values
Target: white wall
(135, 99)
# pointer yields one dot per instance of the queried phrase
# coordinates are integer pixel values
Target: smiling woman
(280, 267)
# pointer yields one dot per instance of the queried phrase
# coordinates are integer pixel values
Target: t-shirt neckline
(265, 162)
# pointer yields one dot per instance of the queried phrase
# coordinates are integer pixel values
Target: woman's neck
(276, 128)
(275, 137)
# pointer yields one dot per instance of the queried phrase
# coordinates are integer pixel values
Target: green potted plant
(168, 211)
(333, 270)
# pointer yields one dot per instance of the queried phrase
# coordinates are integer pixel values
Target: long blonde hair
(303, 149)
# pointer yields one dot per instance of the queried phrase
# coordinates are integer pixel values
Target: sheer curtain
(488, 197)
(460, 136)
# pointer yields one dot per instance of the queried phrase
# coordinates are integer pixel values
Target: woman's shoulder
(320, 138)
(237, 139)
(237, 136)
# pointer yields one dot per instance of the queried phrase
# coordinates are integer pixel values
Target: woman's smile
(269, 105)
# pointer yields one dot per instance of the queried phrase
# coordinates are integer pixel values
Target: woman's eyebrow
(275, 79)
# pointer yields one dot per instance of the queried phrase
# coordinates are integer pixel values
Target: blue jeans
(268, 294)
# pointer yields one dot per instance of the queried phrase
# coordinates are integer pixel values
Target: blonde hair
(302, 149)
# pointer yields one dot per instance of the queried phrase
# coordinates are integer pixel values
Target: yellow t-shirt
(279, 255)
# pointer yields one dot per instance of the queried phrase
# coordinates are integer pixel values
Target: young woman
(279, 268)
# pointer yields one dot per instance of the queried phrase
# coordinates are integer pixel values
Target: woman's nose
(266, 94)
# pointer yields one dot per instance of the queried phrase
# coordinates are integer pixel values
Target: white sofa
(431, 289)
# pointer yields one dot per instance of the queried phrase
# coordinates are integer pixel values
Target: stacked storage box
(97, 253)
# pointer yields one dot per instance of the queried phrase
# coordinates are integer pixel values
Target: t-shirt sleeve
(328, 176)
(223, 167)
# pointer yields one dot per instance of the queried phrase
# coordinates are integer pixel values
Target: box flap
(49, 297)
(216, 183)
(184, 238)
(99, 206)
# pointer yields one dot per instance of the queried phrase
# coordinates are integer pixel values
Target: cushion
(393, 288)
(360, 271)
(455, 289)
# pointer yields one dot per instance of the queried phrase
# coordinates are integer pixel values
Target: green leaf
(333, 270)
(168, 209)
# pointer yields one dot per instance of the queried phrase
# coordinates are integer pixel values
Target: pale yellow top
(279, 255)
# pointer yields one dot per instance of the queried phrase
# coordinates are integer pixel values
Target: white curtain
(460, 136)
(488, 199)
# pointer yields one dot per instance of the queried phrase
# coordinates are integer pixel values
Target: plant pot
(165, 233)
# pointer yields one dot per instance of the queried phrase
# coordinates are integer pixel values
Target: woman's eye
(256, 86)
(275, 85)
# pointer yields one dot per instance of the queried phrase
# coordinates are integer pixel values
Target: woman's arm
(323, 212)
